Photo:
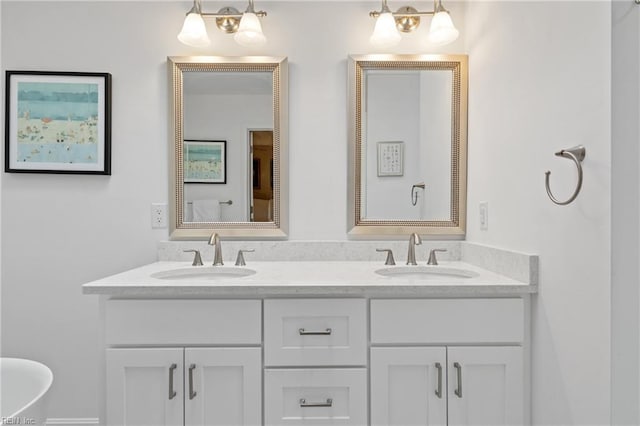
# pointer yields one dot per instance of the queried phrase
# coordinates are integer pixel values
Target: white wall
(625, 250)
(540, 81)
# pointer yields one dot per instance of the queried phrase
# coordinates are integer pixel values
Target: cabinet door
(144, 387)
(486, 386)
(223, 386)
(408, 386)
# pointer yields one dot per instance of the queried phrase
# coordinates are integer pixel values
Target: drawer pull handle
(192, 393)
(304, 332)
(172, 393)
(458, 368)
(305, 404)
(439, 390)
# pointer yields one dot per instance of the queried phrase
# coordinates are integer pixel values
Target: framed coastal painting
(205, 161)
(58, 122)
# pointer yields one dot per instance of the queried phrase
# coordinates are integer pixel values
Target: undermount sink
(425, 272)
(204, 273)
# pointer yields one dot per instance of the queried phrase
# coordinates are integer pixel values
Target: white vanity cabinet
(279, 358)
(465, 365)
(159, 373)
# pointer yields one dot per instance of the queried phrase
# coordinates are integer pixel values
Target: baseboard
(73, 421)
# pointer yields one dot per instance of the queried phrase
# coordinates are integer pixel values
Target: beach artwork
(205, 161)
(58, 124)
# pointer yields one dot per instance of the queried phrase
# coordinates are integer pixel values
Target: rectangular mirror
(407, 144)
(229, 156)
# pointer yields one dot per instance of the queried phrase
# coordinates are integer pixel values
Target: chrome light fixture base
(229, 21)
(407, 19)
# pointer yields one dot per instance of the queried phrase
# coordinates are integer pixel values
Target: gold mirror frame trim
(181, 230)
(458, 65)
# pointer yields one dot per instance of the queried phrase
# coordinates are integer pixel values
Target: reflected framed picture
(58, 122)
(205, 161)
(390, 159)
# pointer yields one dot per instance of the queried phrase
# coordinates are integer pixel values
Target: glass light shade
(250, 32)
(385, 34)
(194, 33)
(442, 30)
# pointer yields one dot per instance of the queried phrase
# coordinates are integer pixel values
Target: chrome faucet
(414, 240)
(217, 257)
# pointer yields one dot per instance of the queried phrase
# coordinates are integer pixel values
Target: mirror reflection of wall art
(205, 161)
(390, 159)
(58, 122)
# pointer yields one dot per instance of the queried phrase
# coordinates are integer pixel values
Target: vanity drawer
(315, 397)
(315, 332)
(182, 322)
(447, 321)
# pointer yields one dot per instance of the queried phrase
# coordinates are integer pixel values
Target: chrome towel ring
(414, 192)
(577, 154)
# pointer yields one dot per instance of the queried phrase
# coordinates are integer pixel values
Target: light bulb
(385, 34)
(194, 33)
(250, 31)
(442, 30)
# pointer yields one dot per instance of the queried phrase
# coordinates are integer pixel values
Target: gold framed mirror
(229, 157)
(407, 145)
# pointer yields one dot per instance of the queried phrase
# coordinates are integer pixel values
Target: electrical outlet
(484, 215)
(158, 215)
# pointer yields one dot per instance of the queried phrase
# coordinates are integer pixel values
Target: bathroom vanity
(322, 342)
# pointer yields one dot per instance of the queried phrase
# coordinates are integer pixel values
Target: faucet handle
(433, 260)
(240, 258)
(390, 260)
(197, 259)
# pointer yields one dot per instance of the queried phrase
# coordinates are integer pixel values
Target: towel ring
(414, 192)
(577, 154)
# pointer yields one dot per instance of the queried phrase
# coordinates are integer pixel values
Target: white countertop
(304, 278)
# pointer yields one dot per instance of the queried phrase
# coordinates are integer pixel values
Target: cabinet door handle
(304, 332)
(439, 390)
(172, 393)
(458, 368)
(192, 393)
(305, 404)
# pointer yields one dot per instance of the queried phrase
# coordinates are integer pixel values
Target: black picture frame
(58, 122)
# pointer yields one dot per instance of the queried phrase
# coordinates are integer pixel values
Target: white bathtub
(23, 385)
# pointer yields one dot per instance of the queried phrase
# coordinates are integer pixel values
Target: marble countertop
(305, 278)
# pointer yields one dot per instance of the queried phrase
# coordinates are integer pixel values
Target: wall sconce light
(246, 26)
(406, 19)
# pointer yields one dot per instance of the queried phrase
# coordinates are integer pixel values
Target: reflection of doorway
(261, 175)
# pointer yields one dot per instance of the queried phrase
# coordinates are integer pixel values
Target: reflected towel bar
(577, 154)
(228, 202)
